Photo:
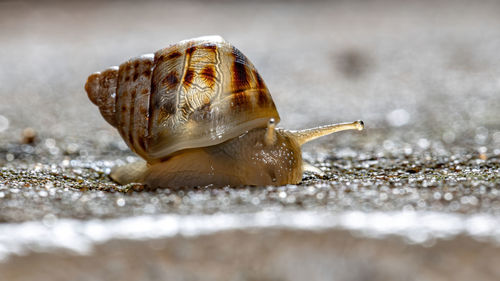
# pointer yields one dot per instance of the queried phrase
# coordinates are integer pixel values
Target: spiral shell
(196, 93)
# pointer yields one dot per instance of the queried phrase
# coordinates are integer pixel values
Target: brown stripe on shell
(187, 80)
(152, 99)
(263, 98)
(140, 90)
(173, 55)
(131, 115)
(260, 82)
(132, 101)
(122, 105)
(240, 101)
(239, 74)
(171, 80)
(190, 50)
(140, 121)
(188, 77)
(208, 75)
(123, 102)
(123, 110)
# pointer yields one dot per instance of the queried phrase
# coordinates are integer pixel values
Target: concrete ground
(416, 196)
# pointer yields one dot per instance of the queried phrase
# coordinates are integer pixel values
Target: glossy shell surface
(196, 93)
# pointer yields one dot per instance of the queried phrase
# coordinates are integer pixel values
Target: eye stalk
(307, 135)
(270, 137)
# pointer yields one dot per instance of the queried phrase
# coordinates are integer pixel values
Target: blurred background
(426, 65)
(424, 76)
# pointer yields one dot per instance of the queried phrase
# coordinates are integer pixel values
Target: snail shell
(196, 93)
(200, 114)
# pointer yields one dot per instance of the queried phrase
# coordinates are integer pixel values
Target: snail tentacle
(270, 136)
(307, 135)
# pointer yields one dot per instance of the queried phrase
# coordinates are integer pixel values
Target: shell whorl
(195, 93)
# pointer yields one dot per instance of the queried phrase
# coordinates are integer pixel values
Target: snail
(199, 114)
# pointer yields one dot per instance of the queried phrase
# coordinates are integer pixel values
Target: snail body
(199, 113)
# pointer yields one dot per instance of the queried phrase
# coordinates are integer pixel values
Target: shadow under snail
(199, 114)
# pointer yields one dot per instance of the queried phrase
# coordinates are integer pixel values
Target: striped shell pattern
(195, 93)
